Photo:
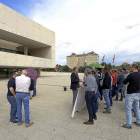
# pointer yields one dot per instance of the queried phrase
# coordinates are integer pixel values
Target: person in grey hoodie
(120, 80)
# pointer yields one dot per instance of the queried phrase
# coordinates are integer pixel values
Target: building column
(25, 50)
(38, 71)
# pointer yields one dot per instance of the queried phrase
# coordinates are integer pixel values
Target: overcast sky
(106, 27)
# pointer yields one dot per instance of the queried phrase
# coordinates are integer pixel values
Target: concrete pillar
(25, 50)
(38, 71)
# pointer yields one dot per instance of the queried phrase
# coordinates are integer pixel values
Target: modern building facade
(24, 43)
(83, 60)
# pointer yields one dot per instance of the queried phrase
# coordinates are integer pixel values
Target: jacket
(74, 81)
(106, 81)
(120, 79)
(32, 85)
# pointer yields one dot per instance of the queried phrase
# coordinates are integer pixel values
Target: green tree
(65, 68)
(81, 69)
(109, 65)
(104, 64)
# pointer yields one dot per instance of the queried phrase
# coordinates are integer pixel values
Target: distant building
(136, 62)
(125, 63)
(83, 60)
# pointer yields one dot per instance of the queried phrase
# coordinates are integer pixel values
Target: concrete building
(24, 43)
(83, 60)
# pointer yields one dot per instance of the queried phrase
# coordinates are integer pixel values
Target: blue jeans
(98, 93)
(132, 99)
(23, 97)
(91, 100)
(106, 96)
(119, 88)
(34, 91)
(13, 111)
(133, 110)
(110, 97)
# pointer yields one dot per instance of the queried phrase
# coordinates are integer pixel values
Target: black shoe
(126, 126)
(95, 118)
(16, 118)
(137, 124)
(15, 121)
(105, 108)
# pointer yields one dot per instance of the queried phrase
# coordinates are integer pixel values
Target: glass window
(13, 51)
(2, 49)
(8, 50)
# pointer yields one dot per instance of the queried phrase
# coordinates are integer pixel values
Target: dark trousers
(34, 90)
(100, 90)
(113, 90)
(13, 111)
(119, 88)
(91, 100)
(74, 95)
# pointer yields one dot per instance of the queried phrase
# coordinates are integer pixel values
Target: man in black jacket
(133, 96)
(106, 88)
(75, 83)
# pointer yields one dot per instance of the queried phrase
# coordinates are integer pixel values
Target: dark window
(11, 51)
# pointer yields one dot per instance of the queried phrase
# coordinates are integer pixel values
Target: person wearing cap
(90, 88)
(106, 89)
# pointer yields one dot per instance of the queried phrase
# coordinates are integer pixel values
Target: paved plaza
(51, 111)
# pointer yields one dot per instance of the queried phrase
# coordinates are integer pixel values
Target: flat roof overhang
(32, 44)
(20, 67)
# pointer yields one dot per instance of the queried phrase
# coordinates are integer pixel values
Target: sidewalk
(51, 111)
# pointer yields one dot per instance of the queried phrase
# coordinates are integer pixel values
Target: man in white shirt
(22, 95)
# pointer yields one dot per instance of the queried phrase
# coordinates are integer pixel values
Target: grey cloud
(130, 27)
(68, 43)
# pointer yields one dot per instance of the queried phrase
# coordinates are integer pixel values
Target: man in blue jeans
(133, 96)
(11, 97)
(22, 95)
(106, 88)
(90, 88)
(120, 80)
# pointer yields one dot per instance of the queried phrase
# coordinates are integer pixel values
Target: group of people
(20, 86)
(108, 83)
